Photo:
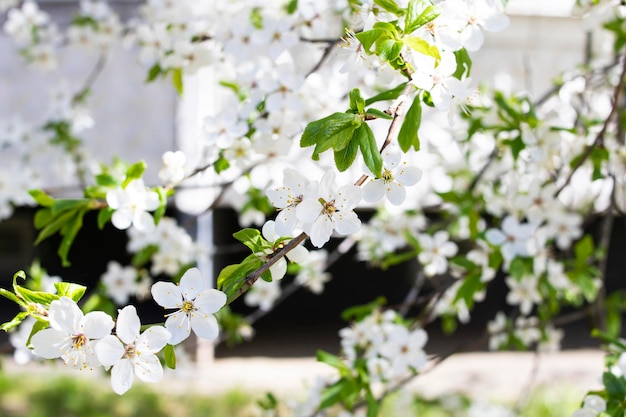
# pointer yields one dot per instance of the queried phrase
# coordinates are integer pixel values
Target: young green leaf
(334, 131)
(391, 6)
(463, 64)
(392, 94)
(170, 356)
(69, 232)
(369, 149)
(16, 321)
(71, 290)
(177, 80)
(419, 13)
(135, 171)
(423, 47)
(346, 156)
(41, 198)
(378, 114)
(408, 135)
(357, 104)
(251, 238)
(369, 38)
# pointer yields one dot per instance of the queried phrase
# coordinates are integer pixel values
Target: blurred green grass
(47, 395)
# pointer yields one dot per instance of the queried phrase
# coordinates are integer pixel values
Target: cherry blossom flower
(438, 79)
(523, 292)
(131, 205)
(435, 252)
(279, 268)
(130, 353)
(404, 349)
(395, 176)
(263, 294)
(513, 239)
(477, 15)
(21, 22)
(120, 282)
(286, 198)
(312, 273)
(173, 169)
(72, 335)
(497, 329)
(194, 304)
(332, 210)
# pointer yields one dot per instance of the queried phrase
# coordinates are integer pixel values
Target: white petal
(50, 343)
(298, 254)
(396, 193)
(122, 376)
(286, 222)
(153, 340)
(179, 327)
(320, 231)
(495, 237)
(97, 324)
(122, 219)
(191, 283)
(116, 198)
(347, 223)
(348, 197)
(65, 315)
(408, 175)
(269, 231)
(167, 294)
(279, 269)
(308, 210)
(210, 301)
(204, 325)
(374, 190)
(143, 221)
(128, 325)
(109, 350)
(152, 201)
(148, 368)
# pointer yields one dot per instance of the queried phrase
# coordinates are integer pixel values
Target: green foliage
(334, 131)
(170, 356)
(391, 94)
(369, 149)
(419, 13)
(233, 277)
(408, 136)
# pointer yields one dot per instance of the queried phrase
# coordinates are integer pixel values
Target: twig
(525, 393)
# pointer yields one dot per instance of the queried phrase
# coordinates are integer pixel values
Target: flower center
(387, 176)
(329, 207)
(79, 340)
(131, 352)
(187, 307)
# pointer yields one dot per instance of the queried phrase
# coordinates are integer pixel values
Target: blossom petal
(308, 210)
(128, 325)
(179, 327)
(347, 223)
(320, 231)
(279, 269)
(122, 219)
(143, 221)
(148, 368)
(167, 294)
(396, 193)
(153, 339)
(97, 324)
(374, 190)
(210, 301)
(50, 343)
(109, 350)
(408, 175)
(65, 315)
(299, 254)
(205, 326)
(122, 376)
(191, 283)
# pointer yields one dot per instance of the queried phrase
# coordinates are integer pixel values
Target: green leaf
(614, 386)
(221, 165)
(378, 114)
(389, 49)
(153, 73)
(292, 6)
(369, 149)
(408, 135)
(16, 321)
(583, 250)
(423, 47)
(62, 205)
(144, 256)
(37, 327)
(160, 211)
(369, 37)
(463, 64)
(418, 15)
(42, 217)
(251, 238)
(69, 232)
(333, 394)
(177, 80)
(232, 278)
(104, 216)
(41, 198)
(11, 296)
(392, 94)
(334, 361)
(358, 312)
(37, 297)
(346, 156)
(357, 104)
(373, 405)
(71, 290)
(107, 180)
(391, 6)
(54, 226)
(334, 131)
(134, 172)
(169, 356)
